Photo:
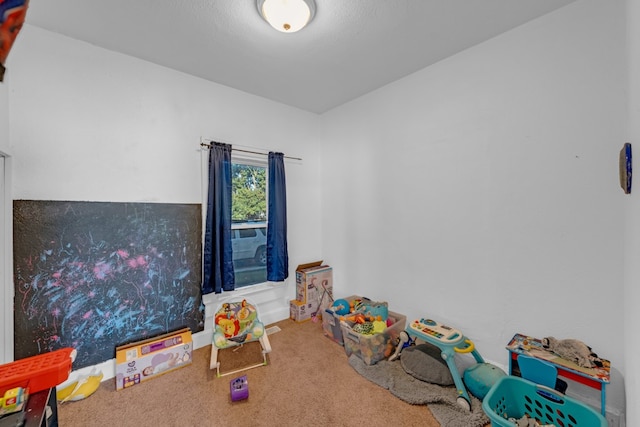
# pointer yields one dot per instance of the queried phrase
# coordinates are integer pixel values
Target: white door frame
(6, 263)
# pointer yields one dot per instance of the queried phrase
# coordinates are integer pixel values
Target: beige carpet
(308, 382)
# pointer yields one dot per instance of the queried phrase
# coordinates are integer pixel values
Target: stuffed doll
(573, 350)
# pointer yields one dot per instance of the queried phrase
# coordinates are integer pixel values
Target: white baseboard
(108, 367)
(200, 339)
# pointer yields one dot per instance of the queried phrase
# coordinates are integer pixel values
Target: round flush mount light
(287, 16)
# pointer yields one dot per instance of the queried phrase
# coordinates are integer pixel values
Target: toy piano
(448, 340)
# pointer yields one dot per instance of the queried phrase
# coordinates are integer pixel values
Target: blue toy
(341, 307)
(480, 377)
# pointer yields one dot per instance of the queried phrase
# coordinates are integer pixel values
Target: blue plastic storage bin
(514, 397)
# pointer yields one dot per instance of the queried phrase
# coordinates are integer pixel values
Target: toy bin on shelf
(373, 348)
(514, 397)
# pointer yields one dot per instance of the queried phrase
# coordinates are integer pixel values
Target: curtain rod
(204, 144)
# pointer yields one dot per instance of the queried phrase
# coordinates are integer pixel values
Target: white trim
(249, 159)
(6, 260)
(108, 367)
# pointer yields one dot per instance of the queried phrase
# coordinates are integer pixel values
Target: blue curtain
(277, 253)
(218, 274)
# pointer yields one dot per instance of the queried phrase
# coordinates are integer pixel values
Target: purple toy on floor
(239, 388)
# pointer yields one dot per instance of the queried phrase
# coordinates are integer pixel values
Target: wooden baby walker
(449, 341)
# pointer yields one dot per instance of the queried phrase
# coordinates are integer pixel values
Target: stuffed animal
(573, 350)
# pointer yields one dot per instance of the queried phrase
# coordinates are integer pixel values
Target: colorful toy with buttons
(450, 341)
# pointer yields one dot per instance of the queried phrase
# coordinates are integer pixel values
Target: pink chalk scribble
(101, 270)
(136, 262)
(93, 275)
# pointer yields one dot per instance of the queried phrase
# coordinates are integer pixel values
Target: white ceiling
(351, 47)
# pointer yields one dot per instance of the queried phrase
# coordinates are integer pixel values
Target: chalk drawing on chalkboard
(94, 275)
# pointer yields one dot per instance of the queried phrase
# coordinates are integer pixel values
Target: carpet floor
(308, 381)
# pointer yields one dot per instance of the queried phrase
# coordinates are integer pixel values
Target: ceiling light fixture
(287, 16)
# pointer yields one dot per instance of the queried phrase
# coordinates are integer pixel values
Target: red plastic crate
(42, 371)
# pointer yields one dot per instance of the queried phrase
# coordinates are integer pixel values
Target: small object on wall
(12, 16)
(239, 388)
(626, 168)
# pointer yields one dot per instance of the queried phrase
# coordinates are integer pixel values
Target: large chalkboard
(92, 275)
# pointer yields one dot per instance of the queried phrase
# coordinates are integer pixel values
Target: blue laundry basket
(515, 397)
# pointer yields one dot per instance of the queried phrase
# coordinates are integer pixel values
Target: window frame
(262, 162)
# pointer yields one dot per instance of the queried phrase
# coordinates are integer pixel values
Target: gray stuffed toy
(573, 350)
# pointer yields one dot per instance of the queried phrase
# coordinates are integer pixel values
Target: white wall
(632, 225)
(6, 306)
(483, 191)
(4, 114)
(90, 124)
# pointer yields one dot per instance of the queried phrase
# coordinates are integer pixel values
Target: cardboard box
(144, 360)
(373, 348)
(301, 311)
(314, 284)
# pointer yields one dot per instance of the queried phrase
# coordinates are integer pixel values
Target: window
(249, 216)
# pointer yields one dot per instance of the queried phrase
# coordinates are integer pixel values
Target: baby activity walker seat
(237, 323)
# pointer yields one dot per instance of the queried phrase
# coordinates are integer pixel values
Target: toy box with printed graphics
(314, 284)
(144, 360)
(373, 348)
(301, 311)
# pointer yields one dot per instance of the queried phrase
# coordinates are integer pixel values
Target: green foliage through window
(249, 193)
(249, 216)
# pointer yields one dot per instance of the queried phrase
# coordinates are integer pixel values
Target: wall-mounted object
(12, 15)
(625, 168)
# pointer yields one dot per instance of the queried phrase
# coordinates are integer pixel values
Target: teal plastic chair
(540, 372)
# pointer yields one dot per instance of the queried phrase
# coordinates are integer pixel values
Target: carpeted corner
(440, 400)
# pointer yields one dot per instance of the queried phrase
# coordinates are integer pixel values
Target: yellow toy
(81, 388)
(379, 325)
(13, 400)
